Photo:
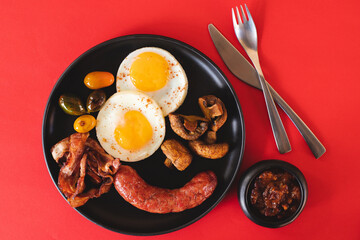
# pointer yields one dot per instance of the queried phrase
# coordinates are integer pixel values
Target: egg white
(112, 113)
(172, 95)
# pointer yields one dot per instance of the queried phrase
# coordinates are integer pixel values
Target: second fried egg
(130, 126)
(155, 72)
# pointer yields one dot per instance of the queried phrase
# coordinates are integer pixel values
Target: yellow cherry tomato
(84, 123)
(96, 80)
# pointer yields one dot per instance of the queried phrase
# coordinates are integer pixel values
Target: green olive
(95, 100)
(71, 104)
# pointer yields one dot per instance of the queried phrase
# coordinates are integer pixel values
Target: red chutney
(275, 193)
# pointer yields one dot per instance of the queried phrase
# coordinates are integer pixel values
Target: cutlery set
(246, 33)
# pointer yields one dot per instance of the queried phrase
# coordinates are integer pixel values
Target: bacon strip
(60, 149)
(106, 163)
(77, 147)
(81, 199)
(80, 156)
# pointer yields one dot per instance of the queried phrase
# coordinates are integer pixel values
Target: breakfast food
(210, 137)
(176, 154)
(160, 200)
(71, 104)
(84, 123)
(213, 109)
(157, 73)
(98, 79)
(130, 126)
(211, 151)
(275, 193)
(188, 127)
(81, 158)
(95, 101)
(201, 131)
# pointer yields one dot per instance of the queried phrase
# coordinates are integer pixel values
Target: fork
(246, 33)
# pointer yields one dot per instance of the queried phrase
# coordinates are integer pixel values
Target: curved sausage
(161, 200)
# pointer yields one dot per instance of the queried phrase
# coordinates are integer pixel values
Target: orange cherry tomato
(84, 123)
(96, 80)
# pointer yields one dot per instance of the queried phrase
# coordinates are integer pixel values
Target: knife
(243, 70)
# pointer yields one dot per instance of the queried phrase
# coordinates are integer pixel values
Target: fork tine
(243, 14)
(238, 16)
(233, 17)
(248, 13)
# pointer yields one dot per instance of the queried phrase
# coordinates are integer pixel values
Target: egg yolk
(134, 131)
(149, 72)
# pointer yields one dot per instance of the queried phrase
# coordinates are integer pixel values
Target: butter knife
(243, 70)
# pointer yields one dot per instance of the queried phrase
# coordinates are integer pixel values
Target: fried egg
(156, 73)
(130, 126)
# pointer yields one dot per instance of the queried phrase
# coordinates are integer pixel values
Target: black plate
(110, 210)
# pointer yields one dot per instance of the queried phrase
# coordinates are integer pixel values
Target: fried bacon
(76, 151)
(81, 199)
(59, 150)
(86, 169)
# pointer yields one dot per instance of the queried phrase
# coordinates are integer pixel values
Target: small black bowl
(247, 181)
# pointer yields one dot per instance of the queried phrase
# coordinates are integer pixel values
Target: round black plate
(110, 210)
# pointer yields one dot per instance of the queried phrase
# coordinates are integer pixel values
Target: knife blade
(243, 70)
(233, 59)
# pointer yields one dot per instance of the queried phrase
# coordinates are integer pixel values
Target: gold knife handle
(315, 145)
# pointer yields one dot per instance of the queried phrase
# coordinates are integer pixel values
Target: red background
(309, 52)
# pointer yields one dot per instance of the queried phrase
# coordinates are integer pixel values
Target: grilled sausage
(161, 200)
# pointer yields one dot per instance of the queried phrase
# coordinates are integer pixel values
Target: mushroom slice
(210, 137)
(213, 109)
(168, 163)
(212, 151)
(188, 127)
(177, 154)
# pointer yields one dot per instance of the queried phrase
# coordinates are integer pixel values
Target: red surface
(309, 52)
